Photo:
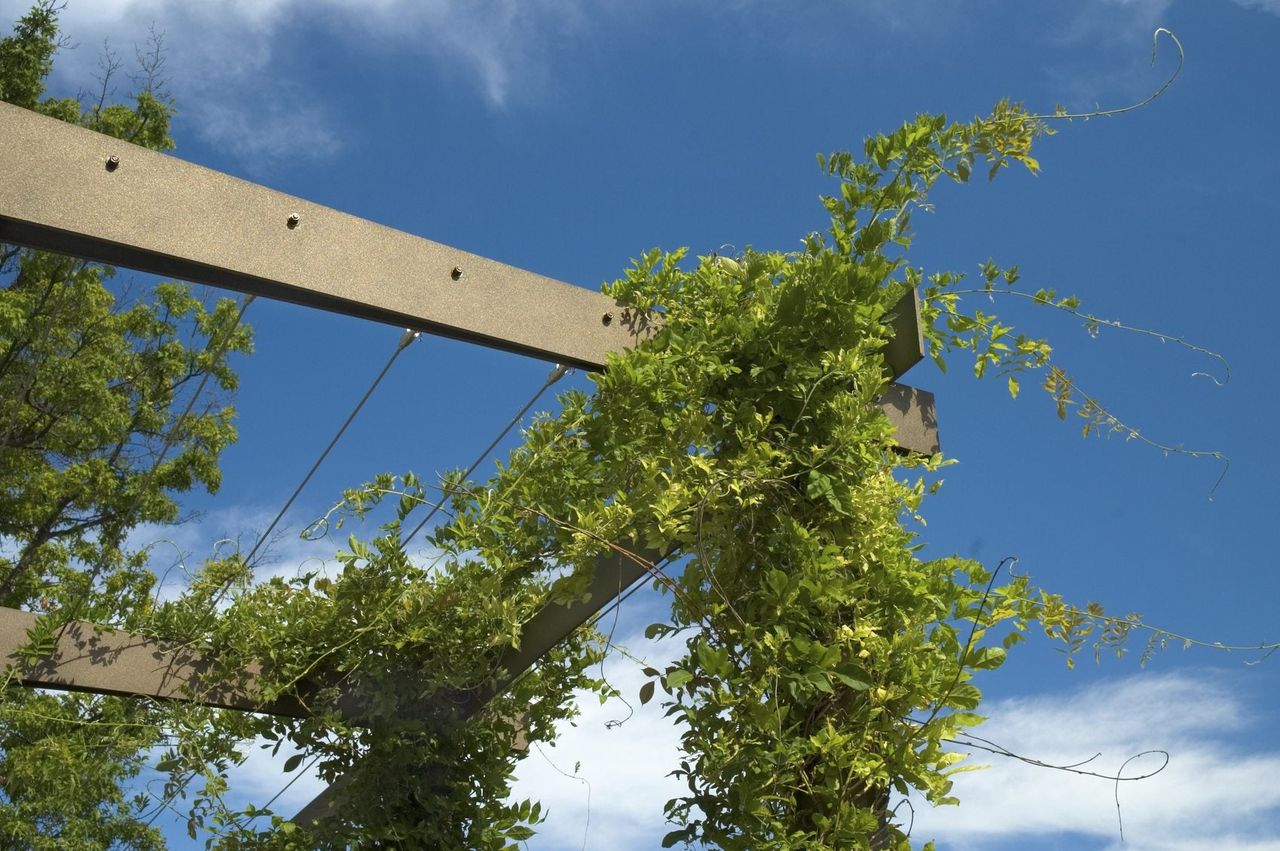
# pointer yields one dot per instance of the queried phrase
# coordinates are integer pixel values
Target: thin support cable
(552, 377)
(405, 339)
(294, 779)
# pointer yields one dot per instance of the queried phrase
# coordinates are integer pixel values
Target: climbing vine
(740, 457)
(826, 665)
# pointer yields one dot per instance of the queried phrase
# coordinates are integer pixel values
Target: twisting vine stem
(1093, 323)
(1062, 115)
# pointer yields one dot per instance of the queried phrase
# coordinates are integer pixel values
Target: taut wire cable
(405, 339)
(552, 377)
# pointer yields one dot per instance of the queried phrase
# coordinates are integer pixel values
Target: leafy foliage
(826, 664)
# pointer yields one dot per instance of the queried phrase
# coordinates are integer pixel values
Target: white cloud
(1116, 21)
(1271, 6)
(619, 806)
(230, 60)
(1102, 52)
(177, 551)
(1213, 794)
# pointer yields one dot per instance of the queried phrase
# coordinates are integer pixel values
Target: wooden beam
(71, 190)
(99, 660)
(914, 417)
(149, 211)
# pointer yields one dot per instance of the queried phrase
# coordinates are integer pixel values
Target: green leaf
(852, 682)
(646, 692)
(677, 678)
(293, 762)
(656, 630)
(987, 658)
(967, 719)
(1013, 386)
(675, 836)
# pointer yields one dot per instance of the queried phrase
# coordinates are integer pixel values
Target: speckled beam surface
(71, 190)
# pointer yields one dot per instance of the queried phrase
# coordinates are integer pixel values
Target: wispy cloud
(177, 551)
(1215, 792)
(1102, 56)
(1122, 22)
(1270, 6)
(229, 62)
(231, 73)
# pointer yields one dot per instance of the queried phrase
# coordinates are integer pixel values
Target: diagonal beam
(910, 411)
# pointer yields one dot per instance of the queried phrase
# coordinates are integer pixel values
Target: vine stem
(1097, 414)
(1074, 768)
(1059, 384)
(1133, 622)
(1102, 113)
(1120, 326)
(968, 644)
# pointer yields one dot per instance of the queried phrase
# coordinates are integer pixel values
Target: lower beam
(99, 660)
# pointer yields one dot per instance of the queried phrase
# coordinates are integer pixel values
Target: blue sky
(567, 137)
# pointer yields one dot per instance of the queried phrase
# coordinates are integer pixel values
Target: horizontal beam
(71, 190)
(94, 659)
(78, 192)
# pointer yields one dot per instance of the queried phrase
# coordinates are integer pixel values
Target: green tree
(102, 423)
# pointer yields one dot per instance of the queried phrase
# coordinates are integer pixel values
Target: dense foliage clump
(740, 455)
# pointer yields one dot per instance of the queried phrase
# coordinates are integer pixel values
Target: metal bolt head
(456, 274)
(113, 163)
(294, 219)
(606, 320)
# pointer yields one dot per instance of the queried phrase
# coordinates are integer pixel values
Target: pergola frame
(152, 212)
